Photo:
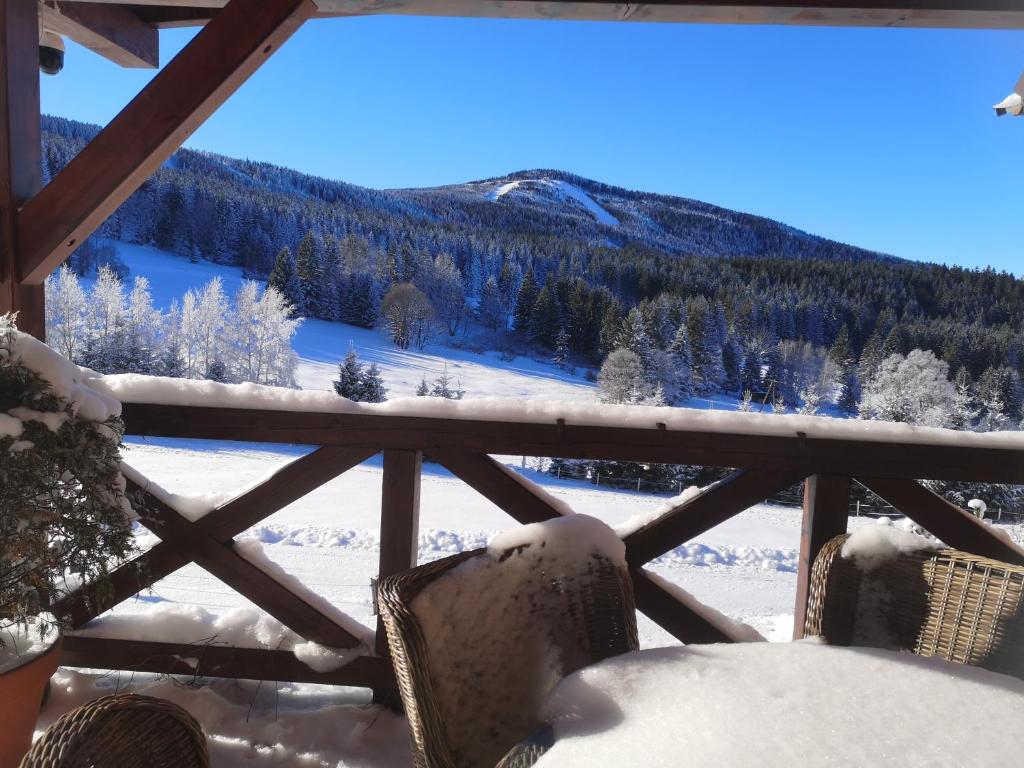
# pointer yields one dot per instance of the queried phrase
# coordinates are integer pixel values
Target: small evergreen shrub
(64, 514)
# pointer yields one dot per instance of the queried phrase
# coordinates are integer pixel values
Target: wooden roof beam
(949, 14)
(153, 125)
(113, 31)
(980, 14)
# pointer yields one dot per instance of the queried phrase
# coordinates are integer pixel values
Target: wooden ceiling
(127, 32)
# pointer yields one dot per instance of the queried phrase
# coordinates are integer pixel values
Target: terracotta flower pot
(21, 694)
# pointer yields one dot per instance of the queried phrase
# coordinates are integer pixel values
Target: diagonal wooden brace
(525, 502)
(155, 123)
(290, 483)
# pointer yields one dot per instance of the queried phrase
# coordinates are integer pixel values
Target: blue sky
(881, 138)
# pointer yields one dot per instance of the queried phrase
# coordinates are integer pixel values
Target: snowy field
(745, 568)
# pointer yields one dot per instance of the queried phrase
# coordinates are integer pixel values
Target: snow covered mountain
(600, 214)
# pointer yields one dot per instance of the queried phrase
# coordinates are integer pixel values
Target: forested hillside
(710, 300)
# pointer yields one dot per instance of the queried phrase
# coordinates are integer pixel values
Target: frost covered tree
(914, 389)
(408, 316)
(202, 329)
(622, 379)
(443, 286)
(682, 360)
(561, 354)
(259, 334)
(65, 313)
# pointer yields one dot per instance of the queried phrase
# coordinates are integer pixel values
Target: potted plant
(64, 515)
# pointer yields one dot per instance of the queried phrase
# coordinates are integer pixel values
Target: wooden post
(20, 153)
(399, 520)
(399, 540)
(826, 512)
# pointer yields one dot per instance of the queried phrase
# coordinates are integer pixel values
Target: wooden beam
(223, 562)
(826, 515)
(497, 484)
(995, 14)
(176, 17)
(112, 31)
(482, 473)
(154, 124)
(686, 623)
(209, 660)
(20, 153)
(795, 452)
(946, 521)
(399, 522)
(713, 506)
(290, 483)
(984, 14)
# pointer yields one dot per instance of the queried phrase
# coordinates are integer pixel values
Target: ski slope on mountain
(558, 189)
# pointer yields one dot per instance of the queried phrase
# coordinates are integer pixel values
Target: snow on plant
(203, 337)
(63, 509)
(914, 389)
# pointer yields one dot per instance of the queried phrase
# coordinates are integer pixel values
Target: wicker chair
(596, 620)
(122, 731)
(949, 604)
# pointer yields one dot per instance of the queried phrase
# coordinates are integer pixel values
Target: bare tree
(408, 316)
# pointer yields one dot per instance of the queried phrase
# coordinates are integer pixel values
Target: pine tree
(525, 300)
(682, 358)
(423, 389)
(544, 320)
(285, 281)
(561, 355)
(492, 311)
(309, 270)
(751, 381)
(350, 377)
(373, 385)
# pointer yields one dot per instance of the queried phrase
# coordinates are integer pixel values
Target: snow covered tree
(443, 287)
(493, 315)
(682, 360)
(259, 333)
(914, 389)
(408, 316)
(349, 383)
(622, 379)
(561, 355)
(65, 313)
(359, 383)
(374, 390)
(443, 386)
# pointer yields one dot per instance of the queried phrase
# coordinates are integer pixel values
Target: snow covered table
(788, 704)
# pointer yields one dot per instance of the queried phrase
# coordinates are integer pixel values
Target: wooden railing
(766, 465)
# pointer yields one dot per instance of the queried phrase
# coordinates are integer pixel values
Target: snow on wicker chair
(122, 731)
(945, 603)
(478, 640)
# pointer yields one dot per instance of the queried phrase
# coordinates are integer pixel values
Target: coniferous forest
(708, 300)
